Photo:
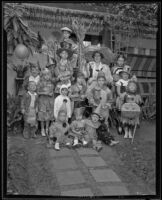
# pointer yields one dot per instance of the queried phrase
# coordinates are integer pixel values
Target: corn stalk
(80, 30)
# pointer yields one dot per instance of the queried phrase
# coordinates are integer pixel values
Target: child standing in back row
(29, 109)
(45, 101)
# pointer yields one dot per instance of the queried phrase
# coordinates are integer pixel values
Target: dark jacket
(26, 100)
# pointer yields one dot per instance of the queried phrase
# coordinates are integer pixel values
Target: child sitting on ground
(78, 128)
(59, 100)
(104, 135)
(29, 109)
(58, 131)
(91, 126)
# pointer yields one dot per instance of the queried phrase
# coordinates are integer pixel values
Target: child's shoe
(126, 134)
(113, 142)
(84, 142)
(130, 134)
(75, 142)
(57, 146)
(43, 132)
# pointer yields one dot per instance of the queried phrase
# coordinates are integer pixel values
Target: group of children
(72, 111)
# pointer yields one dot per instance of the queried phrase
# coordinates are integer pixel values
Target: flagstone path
(82, 172)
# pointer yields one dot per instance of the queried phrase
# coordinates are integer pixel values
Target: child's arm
(23, 103)
(57, 105)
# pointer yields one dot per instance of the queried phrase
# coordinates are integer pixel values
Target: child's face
(34, 71)
(62, 116)
(95, 118)
(101, 81)
(97, 94)
(32, 87)
(78, 117)
(64, 91)
(97, 57)
(132, 87)
(66, 34)
(120, 61)
(64, 55)
(79, 80)
(116, 77)
(124, 76)
(47, 76)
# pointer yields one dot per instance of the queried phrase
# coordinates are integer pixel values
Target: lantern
(21, 51)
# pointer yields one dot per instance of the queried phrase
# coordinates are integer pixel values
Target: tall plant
(17, 30)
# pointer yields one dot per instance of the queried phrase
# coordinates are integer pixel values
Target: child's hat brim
(70, 53)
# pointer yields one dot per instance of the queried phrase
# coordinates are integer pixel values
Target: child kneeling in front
(29, 109)
(59, 129)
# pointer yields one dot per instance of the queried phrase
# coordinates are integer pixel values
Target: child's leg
(75, 141)
(126, 131)
(130, 131)
(26, 131)
(42, 129)
(47, 127)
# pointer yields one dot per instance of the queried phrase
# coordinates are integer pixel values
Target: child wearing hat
(34, 75)
(58, 131)
(59, 101)
(131, 101)
(45, 100)
(29, 109)
(95, 66)
(63, 71)
(101, 94)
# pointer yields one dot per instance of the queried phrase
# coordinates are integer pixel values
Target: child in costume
(59, 129)
(45, 100)
(29, 108)
(66, 33)
(101, 94)
(104, 134)
(77, 128)
(78, 92)
(33, 76)
(121, 86)
(91, 125)
(130, 109)
(63, 71)
(59, 100)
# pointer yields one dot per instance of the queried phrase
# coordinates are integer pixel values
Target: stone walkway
(82, 172)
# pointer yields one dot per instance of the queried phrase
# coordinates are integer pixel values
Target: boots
(57, 146)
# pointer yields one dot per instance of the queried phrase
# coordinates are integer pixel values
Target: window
(147, 52)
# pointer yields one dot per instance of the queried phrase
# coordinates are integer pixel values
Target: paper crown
(66, 29)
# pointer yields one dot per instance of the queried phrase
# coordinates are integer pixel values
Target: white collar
(32, 94)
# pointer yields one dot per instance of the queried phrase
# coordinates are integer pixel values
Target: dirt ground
(29, 166)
